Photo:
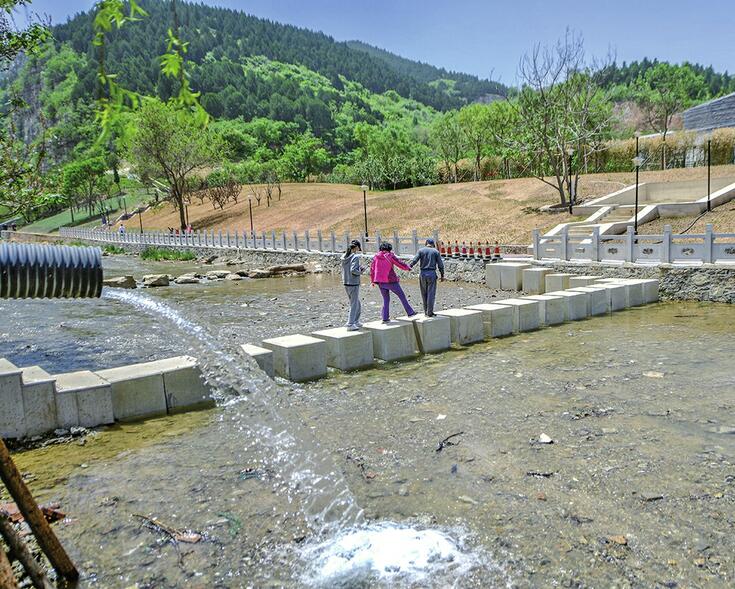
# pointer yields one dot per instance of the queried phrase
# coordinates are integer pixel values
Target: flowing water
(638, 488)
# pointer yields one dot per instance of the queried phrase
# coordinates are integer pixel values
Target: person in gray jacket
(431, 260)
(351, 272)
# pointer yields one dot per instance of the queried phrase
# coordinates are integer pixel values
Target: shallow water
(638, 405)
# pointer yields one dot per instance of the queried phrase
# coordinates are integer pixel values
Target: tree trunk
(180, 203)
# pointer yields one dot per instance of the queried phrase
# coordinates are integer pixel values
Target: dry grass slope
(506, 210)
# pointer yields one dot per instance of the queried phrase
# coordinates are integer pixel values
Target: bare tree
(561, 113)
(257, 191)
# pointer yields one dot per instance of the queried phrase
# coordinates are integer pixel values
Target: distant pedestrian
(430, 260)
(383, 274)
(351, 272)
(121, 229)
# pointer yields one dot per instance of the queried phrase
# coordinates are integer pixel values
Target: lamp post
(709, 165)
(364, 188)
(570, 153)
(637, 162)
(140, 220)
(250, 207)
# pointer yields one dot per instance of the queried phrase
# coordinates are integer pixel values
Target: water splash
(296, 460)
(390, 554)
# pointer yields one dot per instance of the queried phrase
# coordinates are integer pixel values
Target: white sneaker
(358, 325)
(352, 328)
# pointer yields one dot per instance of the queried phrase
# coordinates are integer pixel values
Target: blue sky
(488, 37)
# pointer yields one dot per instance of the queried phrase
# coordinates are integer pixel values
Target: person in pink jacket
(383, 274)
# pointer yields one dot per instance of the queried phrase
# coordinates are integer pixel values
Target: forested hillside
(224, 36)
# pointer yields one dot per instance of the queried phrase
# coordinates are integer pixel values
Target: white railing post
(264, 238)
(415, 241)
(319, 239)
(219, 237)
(595, 243)
(334, 241)
(629, 244)
(436, 238)
(564, 243)
(536, 245)
(295, 241)
(228, 238)
(378, 241)
(396, 243)
(709, 240)
(666, 246)
(306, 237)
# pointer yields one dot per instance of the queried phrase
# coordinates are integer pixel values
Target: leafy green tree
(84, 181)
(448, 140)
(663, 91)
(304, 157)
(478, 126)
(170, 143)
(14, 40)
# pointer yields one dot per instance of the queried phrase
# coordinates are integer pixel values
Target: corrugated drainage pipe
(30, 271)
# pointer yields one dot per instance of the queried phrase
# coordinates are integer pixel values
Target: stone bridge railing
(285, 241)
(668, 248)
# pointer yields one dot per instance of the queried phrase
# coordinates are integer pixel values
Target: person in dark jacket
(351, 272)
(431, 260)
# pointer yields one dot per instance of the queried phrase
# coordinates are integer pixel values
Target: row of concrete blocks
(34, 402)
(306, 357)
(519, 276)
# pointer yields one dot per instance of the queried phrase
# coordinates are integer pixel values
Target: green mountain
(224, 35)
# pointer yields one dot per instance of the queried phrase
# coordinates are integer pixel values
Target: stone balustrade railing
(667, 248)
(285, 241)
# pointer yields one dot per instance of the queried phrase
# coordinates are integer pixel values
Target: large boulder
(217, 274)
(151, 280)
(187, 279)
(287, 269)
(258, 273)
(120, 282)
(233, 276)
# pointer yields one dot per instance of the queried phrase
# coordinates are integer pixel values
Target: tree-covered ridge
(454, 84)
(621, 78)
(225, 34)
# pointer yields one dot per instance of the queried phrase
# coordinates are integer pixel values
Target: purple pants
(385, 289)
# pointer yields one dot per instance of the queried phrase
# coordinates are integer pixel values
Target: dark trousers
(428, 293)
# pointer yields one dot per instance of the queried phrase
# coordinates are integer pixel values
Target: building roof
(714, 114)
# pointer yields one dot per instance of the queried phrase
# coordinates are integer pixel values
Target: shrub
(159, 254)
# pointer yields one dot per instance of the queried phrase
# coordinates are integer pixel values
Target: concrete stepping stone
(617, 295)
(394, 340)
(497, 319)
(182, 381)
(12, 416)
(466, 325)
(433, 334)
(552, 309)
(534, 280)
(298, 357)
(347, 350)
(575, 281)
(557, 281)
(83, 398)
(526, 313)
(597, 301)
(262, 356)
(577, 303)
(511, 275)
(39, 403)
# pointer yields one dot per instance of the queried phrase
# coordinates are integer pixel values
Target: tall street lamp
(570, 153)
(364, 188)
(637, 162)
(250, 207)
